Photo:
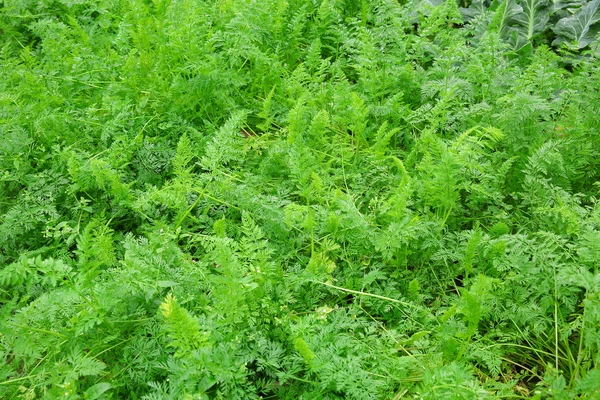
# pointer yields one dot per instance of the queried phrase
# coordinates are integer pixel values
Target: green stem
(365, 294)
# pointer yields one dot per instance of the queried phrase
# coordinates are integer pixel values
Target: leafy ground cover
(299, 199)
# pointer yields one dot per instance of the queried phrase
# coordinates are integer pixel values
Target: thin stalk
(555, 321)
(217, 200)
(31, 328)
(575, 373)
(366, 294)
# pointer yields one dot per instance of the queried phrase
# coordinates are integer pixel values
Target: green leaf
(590, 384)
(580, 29)
(96, 391)
(534, 18)
(504, 15)
(475, 9)
(183, 156)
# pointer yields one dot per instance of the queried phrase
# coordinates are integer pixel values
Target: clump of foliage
(333, 199)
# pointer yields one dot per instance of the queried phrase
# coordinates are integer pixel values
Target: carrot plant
(329, 199)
